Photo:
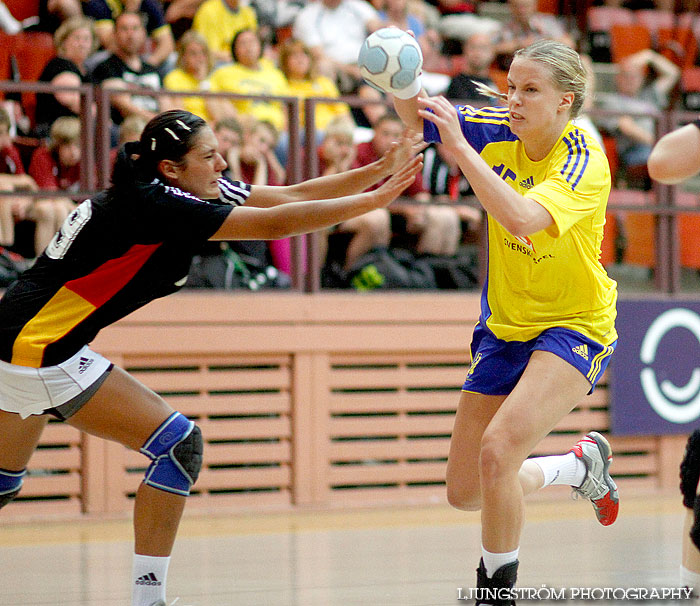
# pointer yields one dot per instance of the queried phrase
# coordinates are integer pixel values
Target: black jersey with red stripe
(113, 254)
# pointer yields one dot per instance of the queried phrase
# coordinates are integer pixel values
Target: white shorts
(32, 391)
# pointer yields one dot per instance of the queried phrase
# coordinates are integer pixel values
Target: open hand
(400, 180)
(400, 152)
(444, 115)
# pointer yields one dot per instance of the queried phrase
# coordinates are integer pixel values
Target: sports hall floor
(381, 557)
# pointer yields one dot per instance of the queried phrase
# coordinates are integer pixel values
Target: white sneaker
(597, 486)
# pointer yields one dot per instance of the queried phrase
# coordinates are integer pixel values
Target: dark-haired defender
(116, 252)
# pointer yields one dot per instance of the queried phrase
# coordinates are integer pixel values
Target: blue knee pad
(176, 451)
(10, 484)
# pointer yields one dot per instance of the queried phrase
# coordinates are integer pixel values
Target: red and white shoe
(597, 486)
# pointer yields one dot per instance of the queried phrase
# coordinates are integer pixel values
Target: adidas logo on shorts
(148, 579)
(581, 350)
(84, 364)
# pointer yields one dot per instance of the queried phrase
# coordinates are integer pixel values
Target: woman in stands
(74, 41)
(546, 331)
(116, 252)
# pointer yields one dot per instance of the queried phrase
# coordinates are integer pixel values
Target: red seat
(677, 44)
(22, 9)
(33, 50)
(607, 246)
(689, 233)
(639, 230)
(625, 40)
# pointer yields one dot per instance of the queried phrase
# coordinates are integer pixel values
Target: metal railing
(662, 201)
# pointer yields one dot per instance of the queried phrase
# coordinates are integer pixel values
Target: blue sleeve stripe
(577, 161)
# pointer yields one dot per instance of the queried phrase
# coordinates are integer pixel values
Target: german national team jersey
(552, 277)
(113, 254)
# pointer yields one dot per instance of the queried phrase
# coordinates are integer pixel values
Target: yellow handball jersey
(553, 277)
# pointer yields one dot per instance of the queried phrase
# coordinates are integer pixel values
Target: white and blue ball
(390, 59)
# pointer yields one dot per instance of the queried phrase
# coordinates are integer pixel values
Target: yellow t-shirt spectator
(219, 23)
(319, 87)
(180, 80)
(265, 80)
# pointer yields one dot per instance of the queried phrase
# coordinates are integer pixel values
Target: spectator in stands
(445, 181)
(12, 178)
(194, 66)
(126, 70)
(478, 55)
(417, 225)
(250, 73)
(334, 30)
(219, 21)
(129, 130)
(74, 41)
(105, 13)
(229, 135)
(641, 96)
(337, 153)
(524, 27)
(298, 65)
(55, 167)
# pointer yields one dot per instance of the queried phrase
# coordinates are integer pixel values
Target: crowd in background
(271, 48)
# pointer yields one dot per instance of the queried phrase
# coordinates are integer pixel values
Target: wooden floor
(386, 557)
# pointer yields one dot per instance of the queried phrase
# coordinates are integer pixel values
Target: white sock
(565, 469)
(148, 579)
(493, 561)
(690, 579)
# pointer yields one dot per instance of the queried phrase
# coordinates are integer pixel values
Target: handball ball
(390, 59)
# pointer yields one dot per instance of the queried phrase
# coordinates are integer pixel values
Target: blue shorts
(497, 365)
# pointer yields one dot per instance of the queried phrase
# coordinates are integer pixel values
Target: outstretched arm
(676, 155)
(285, 220)
(341, 184)
(520, 215)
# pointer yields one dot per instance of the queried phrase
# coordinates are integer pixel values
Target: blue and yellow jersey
(553, 277)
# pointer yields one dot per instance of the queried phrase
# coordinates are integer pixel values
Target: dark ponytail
(168, 136)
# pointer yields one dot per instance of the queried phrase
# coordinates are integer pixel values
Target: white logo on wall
(671, 402)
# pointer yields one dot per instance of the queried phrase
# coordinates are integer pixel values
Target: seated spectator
(298, 64)
(334, 30)
(635, 134)
(337, 153)
(129, 130)
(194, 66)
(446, 182)
(478, 56)
(229, 134)
(74, 41)
(416, 225)
(12, 179)
(299, 67)
(105, 13)
(524, 27)
(256, 162)
(252, 74)
(55, 167)
(126, 70)
(219, 21)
